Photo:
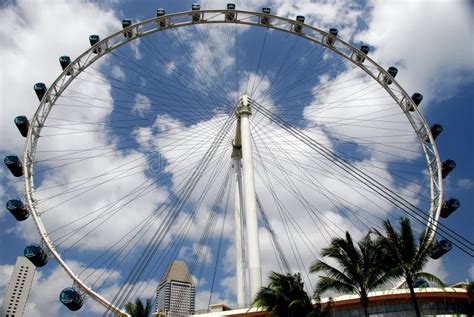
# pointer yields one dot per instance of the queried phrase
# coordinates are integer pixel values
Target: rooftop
(177, 271)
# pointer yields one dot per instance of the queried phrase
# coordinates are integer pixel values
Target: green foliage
(284, 296)
(138, 309)
(470, 291)
(359, 270)
(404, 257)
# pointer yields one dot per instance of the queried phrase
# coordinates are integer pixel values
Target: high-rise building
(176, 294)
(18, 288)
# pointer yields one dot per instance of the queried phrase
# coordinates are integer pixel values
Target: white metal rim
(250, 18)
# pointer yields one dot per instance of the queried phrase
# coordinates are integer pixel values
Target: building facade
(175, 295)
(449, 301)
(18, 289)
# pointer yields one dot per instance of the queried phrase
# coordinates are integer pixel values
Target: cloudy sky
(133, 170)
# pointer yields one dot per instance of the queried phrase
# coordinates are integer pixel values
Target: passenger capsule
(331, 38)
(360, 58)
(417, 98)
(421, 283)
(264, 19)
(447, 167)
(22, 124)
(36, 255)
(298, 28)
(65, 61)
(71, 298)
(364, 49)
(93, 40)
(436, 130)
(449, 206)
(230, 16)
(125, 24)
(18, 209)
(160, 13)
(441, 247)
(196, 16)
(40, 90)
(14, 164)
(392, 71)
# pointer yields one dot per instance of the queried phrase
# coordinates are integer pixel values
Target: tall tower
(176, 294)
(18, 288)
(247, 197)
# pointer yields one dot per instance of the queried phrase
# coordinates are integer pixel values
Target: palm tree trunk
(413, 296)
(366, 309)
(364, 300)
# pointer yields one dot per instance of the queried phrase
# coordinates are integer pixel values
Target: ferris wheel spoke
(128, 158)
(310, 179)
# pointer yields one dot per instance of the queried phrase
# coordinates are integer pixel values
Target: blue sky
(154, 105)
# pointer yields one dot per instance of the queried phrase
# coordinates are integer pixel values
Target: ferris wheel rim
(107, 45)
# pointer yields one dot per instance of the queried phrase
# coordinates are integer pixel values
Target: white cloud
(43, 299)
(214, 59)
(5, 273)
(170, 67)
(4, 196)
(437, 268)
(110, 192)
(197, 251)
(118, 73)
(175, 139)
(202, 299)
(141, 104)
(26, 22)
(425, 63)
(228, 284)
(465, 183)
(29, 20)
(342, 14)
(330, 222)
(135, 46)
(358, 112)
(219, 4)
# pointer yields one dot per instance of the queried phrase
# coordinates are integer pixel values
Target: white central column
(239, 261)
(253, 247)
(238, 236)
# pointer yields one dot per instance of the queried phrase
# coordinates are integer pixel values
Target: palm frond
(320, 266)
(410, 248)
(265, 298)
(430, 278)
(326, 283)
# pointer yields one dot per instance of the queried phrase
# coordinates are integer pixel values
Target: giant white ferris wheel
(309, 139)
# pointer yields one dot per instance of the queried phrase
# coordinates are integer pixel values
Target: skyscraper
(176, 294)
(18, 288)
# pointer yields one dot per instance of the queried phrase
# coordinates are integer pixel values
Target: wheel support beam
(238, 206)
(251, 219)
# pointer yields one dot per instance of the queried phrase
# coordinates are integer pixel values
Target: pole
(253, 247)
(240, 273)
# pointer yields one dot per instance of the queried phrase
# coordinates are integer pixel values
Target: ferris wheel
(281, 131)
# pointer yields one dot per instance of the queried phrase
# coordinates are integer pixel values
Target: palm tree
(284, 296)
(359, 270)
(405, 257)
(138, 309)
(319, 311)
(470, 293)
